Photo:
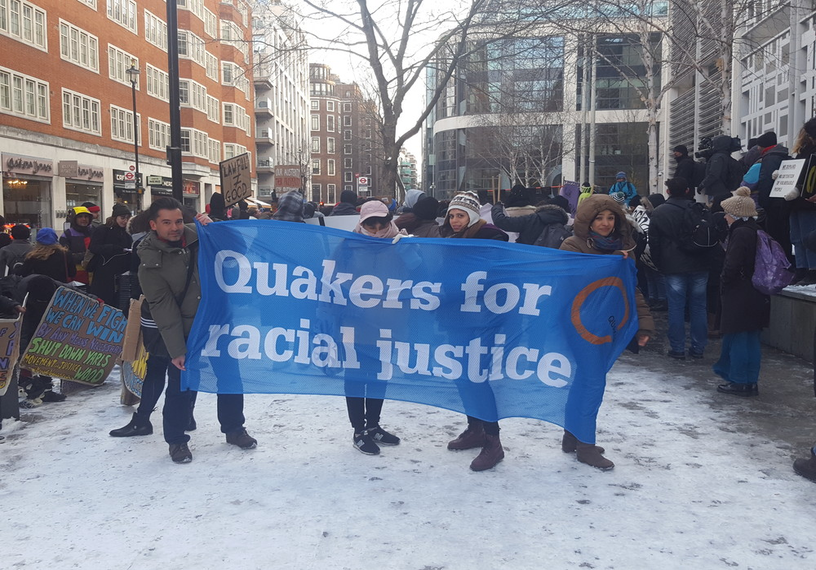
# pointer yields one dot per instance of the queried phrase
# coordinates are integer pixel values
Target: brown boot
(589, 454)
(569, 443)
(471, 438)
(491, 454)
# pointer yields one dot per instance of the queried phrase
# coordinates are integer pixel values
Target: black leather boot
(135, 427)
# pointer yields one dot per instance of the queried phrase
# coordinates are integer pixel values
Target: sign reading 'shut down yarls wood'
(77, 339)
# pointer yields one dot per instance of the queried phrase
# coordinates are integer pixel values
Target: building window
(23, 22)
(348, 187)
(24, 96)
(157, 83)
(330, 123)
(213, 109)
(330, 145)
(346, 149)
(155, 31)
(195, 142)
(315, 122)
(331, 193)
(315, 105)
(214, 151)
(77, 46)
(158, 134)
(347, 120)
(316, 166)
(330, 105)
(80, 113)
(122, 124)
(118, 63)
(123, 12)
(315, 144)
(212, 66)
(347, 107)
(347, 135)
(91, 3)
(347, 177)
(330, 167)
(348, 163)
(190, 46)
(210, 24)
(316, 189)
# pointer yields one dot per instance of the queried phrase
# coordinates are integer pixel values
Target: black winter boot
(569, 444)
(472, 437)
(589, 454)
(136, 426)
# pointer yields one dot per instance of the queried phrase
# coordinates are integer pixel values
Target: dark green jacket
(162, 275)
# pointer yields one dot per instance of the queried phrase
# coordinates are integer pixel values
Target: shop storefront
(125, 183)
(192, 191)
(27, 190)
(83, 183)
(160, 186)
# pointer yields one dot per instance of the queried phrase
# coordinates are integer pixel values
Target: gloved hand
(399, 236)
(792, 195)
(775, 174)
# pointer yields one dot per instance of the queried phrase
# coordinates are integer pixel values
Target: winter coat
(800, 203)
(529, 227)
(109, 244)
(581, 243)
(685, 169)
(58, 266)
(162, 275)
(665, 228)
(77, 239)
(416, 227)
(344, 209)
(772, 158)
(718, 167)
(626, 188)
(14, 253)
(479, 230)
(744, 308)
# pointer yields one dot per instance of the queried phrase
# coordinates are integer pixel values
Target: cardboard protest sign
(9, 350)
(789, 174)
(236, 182)
(133, 374)
(78, 339)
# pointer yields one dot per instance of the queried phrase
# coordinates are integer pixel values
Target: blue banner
(490, 329)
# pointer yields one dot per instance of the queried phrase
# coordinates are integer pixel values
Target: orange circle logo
(575, 314)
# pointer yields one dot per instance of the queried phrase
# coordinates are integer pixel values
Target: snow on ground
(690, 490)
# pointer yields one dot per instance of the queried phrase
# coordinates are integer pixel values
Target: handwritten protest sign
(236, 180)
(788, 177)
(490, 329)
(9, 350)
(77, 339)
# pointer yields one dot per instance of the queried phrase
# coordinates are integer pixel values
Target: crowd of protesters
(708, 286)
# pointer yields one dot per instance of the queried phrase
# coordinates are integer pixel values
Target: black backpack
(697, 231)
(553, 235)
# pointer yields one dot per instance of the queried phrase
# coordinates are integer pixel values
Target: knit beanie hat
(120, 210)
(810, 128)
(767, 139)
(349, 197)
(620, 174)
(740, 205)
(46, 236)
(426, 208)
(619, 197)
(681, 148)
(468, 202)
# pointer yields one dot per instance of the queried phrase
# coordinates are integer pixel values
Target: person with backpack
(682, 257)
(13, 255)
(745, 310)
(723, 173)
(623, 186)
(546, 227)
(685, 164)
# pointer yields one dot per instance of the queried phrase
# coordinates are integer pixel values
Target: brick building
(66, 120)
(345, 145)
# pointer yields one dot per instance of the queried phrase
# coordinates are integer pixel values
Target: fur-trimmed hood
(591, 207)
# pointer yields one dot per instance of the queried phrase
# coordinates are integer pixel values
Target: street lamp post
(133, 75)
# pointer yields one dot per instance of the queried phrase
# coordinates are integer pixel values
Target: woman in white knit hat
(463, 221)
(745, 311)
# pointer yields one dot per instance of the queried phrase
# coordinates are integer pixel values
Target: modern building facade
(346, 148)
(281, 78)
(408, 172)
(542, 109)
(66, 101)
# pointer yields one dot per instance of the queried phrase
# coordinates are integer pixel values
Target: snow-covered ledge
(793, 321)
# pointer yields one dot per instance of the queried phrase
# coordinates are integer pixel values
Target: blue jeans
(687, 289)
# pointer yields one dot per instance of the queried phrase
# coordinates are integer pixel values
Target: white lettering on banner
(480, 362)
(369, 291)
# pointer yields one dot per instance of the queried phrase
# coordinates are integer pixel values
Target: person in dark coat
(421, 220)
(77, 238)
(745, 311)
(14, 253)
(462, 220)
(718, 168)
(218, 209)
(49, 258)
(290, 207)
(347, 205)
(685, 164)
(803, 211)
(529, 227)
(111, 245)
(777, 212)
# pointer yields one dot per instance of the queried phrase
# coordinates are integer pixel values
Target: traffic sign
(362, 181)
(132, 167)
(130, 176)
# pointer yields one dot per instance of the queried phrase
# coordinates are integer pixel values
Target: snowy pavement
(696, 485)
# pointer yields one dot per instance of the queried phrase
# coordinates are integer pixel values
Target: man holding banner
(168, 274)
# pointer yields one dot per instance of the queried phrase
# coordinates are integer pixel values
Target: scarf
(605, 243)
(388, 231)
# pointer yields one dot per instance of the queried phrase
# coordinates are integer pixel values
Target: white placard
(787, 177)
